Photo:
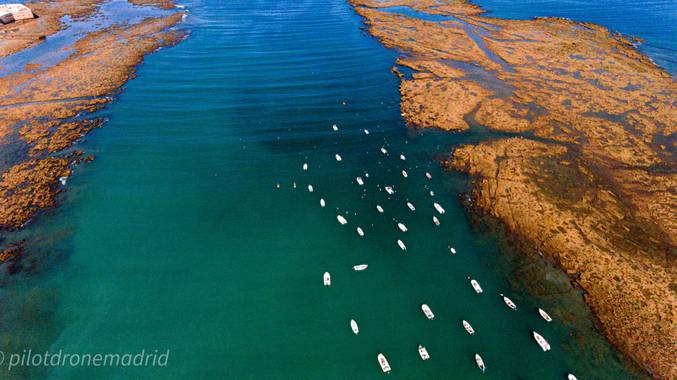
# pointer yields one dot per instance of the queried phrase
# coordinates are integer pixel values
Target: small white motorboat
(480, 362)
(432, 193)
(310, 188)
(544, 315)
(571, 377)
(360, 267)
(293, 184)
(541, 341)
(402, 227)
(404, 174)
(509, 302)
(366, 132)
(383, 362)
(338, 157)
(305, 166)
(360, 231)
(439, 208)
(322, 202)
(452, 250)
(359, 181)
(428, 313)
(353, 326)
(468, 328)
(427, 175)
(63, 180)
(402, 157)
(423, 352)
(341, 219)
(277, 185)
(476, 286)
(411, 206)
(384, 151)
(436, 221)
(401, 244)
(334, 127)
(389, 190)
(327, 279)
(379, 208)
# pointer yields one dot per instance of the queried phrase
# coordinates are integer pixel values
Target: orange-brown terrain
(44, 111)
(590, 178)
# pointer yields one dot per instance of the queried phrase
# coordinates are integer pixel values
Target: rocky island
(589, 175)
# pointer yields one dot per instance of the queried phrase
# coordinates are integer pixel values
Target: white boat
(509, 302)
(338, 157)
(402, 157)
(427, 175)
(541, 341)
(384, 151)
(379, 208)
(476, 286)
(366, 132)
(341, 219)
(411, 206)
(359, 181)
(436, 221)
(353, 326)
(402, 227)
(293, 184)
(360, 267)
(428, 313)
(468, 328)
(322, 202)
(404, 174)
(452, 250)
(310, 188)
(334, 127)
(439, 208)
(389, 190)
(360, 232)
(432, 193)
(305, 166)
(545, 315)
(383, 362)
(401, 244)
(571, 377)
(480, 362)
(327, 279)
(423, 352)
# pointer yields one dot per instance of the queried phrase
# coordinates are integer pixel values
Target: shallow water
(176, 238)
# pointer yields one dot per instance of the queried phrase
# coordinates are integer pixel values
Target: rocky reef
(590, 176)
(45, 110)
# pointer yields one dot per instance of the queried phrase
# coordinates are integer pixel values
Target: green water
(176, 237)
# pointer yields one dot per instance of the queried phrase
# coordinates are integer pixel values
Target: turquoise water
(176, 237)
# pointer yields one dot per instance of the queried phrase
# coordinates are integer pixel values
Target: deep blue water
(177, 238)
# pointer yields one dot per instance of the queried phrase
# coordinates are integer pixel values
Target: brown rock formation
(597, 191)
(44, 111)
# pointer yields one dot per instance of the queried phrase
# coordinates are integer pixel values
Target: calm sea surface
(176, 237)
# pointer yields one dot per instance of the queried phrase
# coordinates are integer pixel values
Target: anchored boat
(468, 328)
(322, 203)
(310, 188)
(384, 151)
(541, 341)
(404, 174)
(436, 221)
(379, 208)
(402, 227)
(353, 326)
(360, 231)
(383, 362)
(402, 157)
(545, 315)
(327, 279)
(389, 190)
(438, 208)
(359, 181)
(423, 352)
(428, 175)
(360, 267)
(452, 250)
(428, 313)
(401, 244)
(341, 219)
(411, 206)
(334, 127)
(305, 166)
(571, 377)
(509, 302)
(480, 362)
(338, 157)
(476, 286)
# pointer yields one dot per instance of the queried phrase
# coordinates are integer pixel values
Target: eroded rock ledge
(594, 185)
(44, 111)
